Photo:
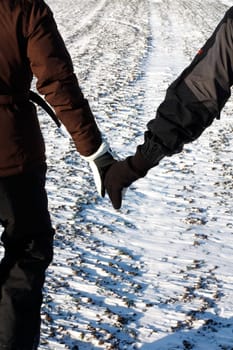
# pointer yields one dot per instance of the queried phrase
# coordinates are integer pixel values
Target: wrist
(103, 148)
(139, 163)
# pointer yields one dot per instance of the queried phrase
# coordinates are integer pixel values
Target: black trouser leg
(28, 243)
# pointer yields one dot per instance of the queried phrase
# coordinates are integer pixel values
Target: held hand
(119, 176)
(99, 167)
(99, 162)
(122, 174)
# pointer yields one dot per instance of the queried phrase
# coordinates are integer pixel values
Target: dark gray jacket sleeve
(195, 99)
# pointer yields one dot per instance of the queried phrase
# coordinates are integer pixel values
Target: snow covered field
(157, 274)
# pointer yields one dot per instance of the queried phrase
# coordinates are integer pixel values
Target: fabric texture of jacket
(31, 45)
(195, 98)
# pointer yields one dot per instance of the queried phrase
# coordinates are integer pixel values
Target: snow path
(156, 275)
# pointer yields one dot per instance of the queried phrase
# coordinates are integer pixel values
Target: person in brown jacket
(31, 45)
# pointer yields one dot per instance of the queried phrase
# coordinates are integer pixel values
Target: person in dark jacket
(191, 104)
(31, 45)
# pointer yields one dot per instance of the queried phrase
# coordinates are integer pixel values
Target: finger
(116, 198)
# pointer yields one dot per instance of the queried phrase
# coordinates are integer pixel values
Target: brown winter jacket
(30, 44)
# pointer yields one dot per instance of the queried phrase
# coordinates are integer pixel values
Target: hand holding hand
(122, 174)
(99, 162)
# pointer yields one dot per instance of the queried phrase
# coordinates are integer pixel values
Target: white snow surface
(158, 273)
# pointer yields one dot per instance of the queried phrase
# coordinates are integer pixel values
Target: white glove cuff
(103, 148)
